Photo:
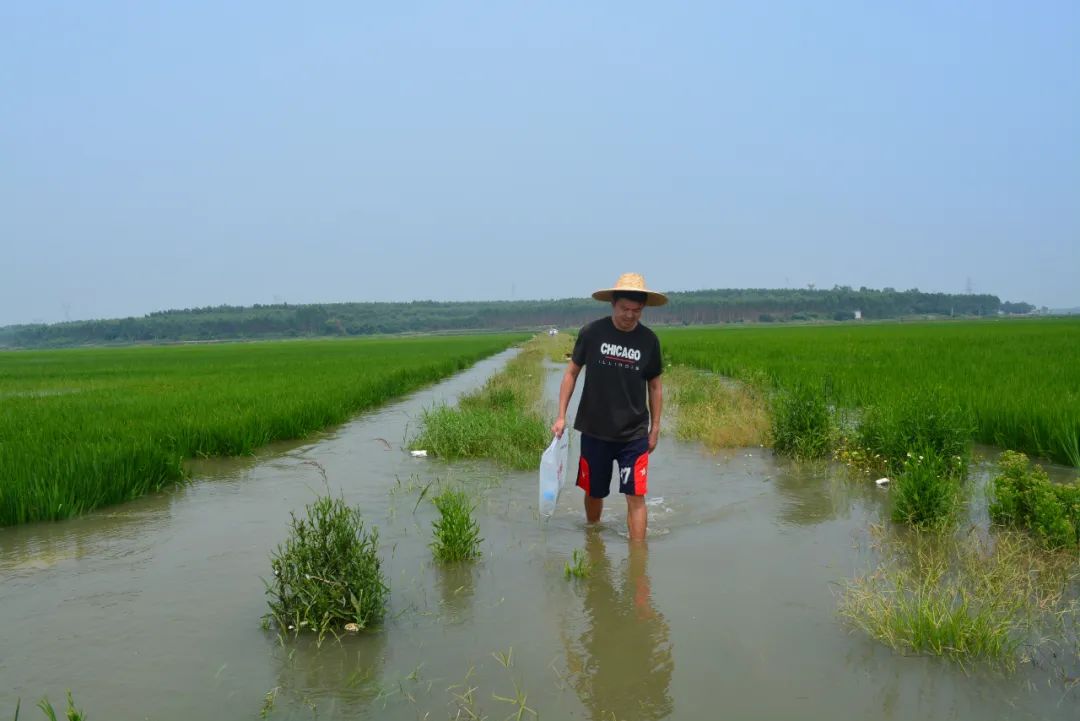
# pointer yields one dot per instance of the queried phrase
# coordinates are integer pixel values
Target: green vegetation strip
(503, 420)
(1017, 382)
(719, 412)
(81, 429)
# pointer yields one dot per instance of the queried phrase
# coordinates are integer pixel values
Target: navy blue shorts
(594, 468)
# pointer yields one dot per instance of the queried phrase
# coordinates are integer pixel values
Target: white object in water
(553, 473)
(418, 454)
(882, 482)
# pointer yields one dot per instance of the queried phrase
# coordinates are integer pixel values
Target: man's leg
(634, 484)
(593, 508)
(637, 517)
(596, 457)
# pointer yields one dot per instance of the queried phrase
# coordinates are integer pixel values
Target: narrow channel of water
(151, 610)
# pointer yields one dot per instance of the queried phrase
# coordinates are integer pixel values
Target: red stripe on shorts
(583, 474)
(641, 475)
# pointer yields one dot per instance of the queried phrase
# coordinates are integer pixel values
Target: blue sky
(170, 155)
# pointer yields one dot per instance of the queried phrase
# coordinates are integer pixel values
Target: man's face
(625, 314)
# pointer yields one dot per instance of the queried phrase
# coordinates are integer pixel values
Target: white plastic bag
(553, 473)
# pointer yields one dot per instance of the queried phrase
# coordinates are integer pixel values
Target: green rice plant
(926, 420)
(72, 714)
(926, 491)
(457, 534)
(80, 429)
(578, 566)
(802, 426)
(327, 573)
(1024, 497)
(966, 598)
(501, 421)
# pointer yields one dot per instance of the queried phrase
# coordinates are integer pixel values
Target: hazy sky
(170, 155)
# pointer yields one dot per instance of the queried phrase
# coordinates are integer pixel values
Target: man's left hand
(654, 436)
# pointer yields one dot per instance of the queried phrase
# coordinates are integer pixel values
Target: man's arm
(566, 389)
(656, 405)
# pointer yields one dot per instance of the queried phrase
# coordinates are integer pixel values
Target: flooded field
(151, 610)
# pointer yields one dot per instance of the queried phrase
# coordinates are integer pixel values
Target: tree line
(284, 320)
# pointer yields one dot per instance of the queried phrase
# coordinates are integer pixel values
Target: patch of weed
(802, 426)
(457, 534)
(1025, 498)
(328, 572)
(578, 566)
(966, 598)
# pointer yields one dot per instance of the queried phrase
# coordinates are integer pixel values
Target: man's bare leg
(593, 508)
(637, 517)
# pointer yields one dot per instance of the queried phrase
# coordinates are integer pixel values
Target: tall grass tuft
(1025, 498)
(457, 534)
(327, 573)
(802, 426)
(925, 420)
(926, 491)
(966, 598)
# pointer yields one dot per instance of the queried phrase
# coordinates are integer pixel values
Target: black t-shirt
(618, 365)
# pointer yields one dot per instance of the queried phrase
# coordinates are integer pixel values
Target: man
(618, 420)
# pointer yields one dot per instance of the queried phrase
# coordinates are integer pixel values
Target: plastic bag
(553, 473)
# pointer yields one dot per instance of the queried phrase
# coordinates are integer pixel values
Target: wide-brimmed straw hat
(633, 283)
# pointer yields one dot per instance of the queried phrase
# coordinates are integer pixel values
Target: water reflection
(456, 585)
(340, 679)
(817, 492)
(622, 662)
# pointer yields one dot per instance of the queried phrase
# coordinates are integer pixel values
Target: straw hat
(635, 283)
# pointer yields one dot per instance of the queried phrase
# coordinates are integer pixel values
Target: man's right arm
(566, 389)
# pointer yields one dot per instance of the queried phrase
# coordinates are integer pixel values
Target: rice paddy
(623, 639)
(1017, 381)
(81, 429)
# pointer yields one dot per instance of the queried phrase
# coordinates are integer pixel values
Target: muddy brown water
(151, 610)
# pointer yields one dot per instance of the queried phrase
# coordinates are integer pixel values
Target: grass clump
(718, 412)
(1025, 498)
(578, 566)
(966, 598)
(925, 421)
(926, 490)
(503, 420)
(457, 534)
(802, 426)
(327, 573)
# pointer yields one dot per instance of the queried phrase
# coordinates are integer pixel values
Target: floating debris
(418, 454)
(882, 482)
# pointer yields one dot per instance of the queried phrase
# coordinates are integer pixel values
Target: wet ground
(151, 610)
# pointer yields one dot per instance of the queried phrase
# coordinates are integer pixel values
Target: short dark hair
(634, 295)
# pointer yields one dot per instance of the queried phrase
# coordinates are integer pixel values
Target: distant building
(553, 331)
(858, 315)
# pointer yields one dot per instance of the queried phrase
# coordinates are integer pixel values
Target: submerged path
(151, 610)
